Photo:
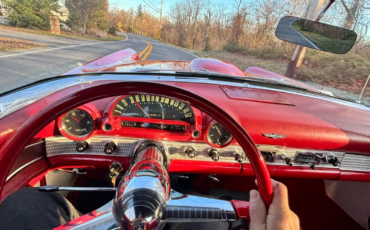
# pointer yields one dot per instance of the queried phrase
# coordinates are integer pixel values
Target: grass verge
(7, 44)
(346, 72)
(265, 53)
(64, 34)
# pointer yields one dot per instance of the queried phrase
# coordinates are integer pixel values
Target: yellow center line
(147, 54)
(148, 48)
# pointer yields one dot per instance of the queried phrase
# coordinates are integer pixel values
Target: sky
(127, 4)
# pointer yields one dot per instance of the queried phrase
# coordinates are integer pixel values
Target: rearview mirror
(315, 35)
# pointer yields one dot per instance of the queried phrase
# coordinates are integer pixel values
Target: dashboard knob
(190, 151)
(214, 154)
(238, 158)
(288, 160)
(334, 161)
(110, 147)
(81, 146)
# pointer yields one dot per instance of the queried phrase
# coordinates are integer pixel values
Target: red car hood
(127, 60)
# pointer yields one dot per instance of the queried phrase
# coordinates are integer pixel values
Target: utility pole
(160, 22)
(142, 28)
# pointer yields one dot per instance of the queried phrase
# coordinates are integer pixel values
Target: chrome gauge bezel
(73, 135)
(210, 142)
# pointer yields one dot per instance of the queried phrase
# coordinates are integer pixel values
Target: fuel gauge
(218, 136)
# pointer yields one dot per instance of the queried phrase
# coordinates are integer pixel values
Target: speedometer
(150, 106)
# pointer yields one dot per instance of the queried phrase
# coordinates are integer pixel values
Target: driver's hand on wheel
(278, 217)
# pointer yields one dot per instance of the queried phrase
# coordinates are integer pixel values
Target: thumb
(280, 202)
(257, 211)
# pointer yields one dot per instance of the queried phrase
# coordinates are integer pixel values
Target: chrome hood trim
(19, 99)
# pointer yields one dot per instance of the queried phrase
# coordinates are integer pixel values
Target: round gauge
(150, 106)
(218, 135)
(78, 123)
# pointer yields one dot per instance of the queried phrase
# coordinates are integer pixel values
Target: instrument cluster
(132, 115)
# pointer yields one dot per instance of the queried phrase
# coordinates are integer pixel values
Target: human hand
(279, 215)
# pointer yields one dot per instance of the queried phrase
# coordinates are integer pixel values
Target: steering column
(144, 199)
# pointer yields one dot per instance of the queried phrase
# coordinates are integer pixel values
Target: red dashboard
(282, 124)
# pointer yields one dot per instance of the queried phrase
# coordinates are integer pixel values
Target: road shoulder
(11, 44)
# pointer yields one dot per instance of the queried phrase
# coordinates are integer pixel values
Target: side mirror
(315, 35)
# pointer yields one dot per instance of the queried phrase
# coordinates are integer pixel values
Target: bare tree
(207, 18)
(238, 4)
(351, 10)
(84, 9)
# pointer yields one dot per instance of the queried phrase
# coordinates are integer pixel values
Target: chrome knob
(81, 146)
(288, 160)
(190, 151)
(214, 154)
(238, 158)
(110, 147)
(331, 159)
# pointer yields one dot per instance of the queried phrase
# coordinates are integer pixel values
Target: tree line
(84, 16)
(196, 24)
(205, 25)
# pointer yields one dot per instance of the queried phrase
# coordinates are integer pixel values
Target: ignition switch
(114, 170)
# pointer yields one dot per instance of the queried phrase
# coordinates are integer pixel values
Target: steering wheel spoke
(189, 208)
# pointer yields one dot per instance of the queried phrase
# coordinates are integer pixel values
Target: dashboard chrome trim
(176, 150)
(19, 99)
(355, 162)
(273, 135)
(22, 167)
(61, 145)
(292, 153)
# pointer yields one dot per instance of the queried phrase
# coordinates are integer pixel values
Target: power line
(150, 4)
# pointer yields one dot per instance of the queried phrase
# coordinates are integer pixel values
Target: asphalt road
(59, 54)
(285, 32)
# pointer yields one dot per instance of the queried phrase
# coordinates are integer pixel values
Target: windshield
(45, 38)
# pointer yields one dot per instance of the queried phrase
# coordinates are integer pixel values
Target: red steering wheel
(17, 142)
